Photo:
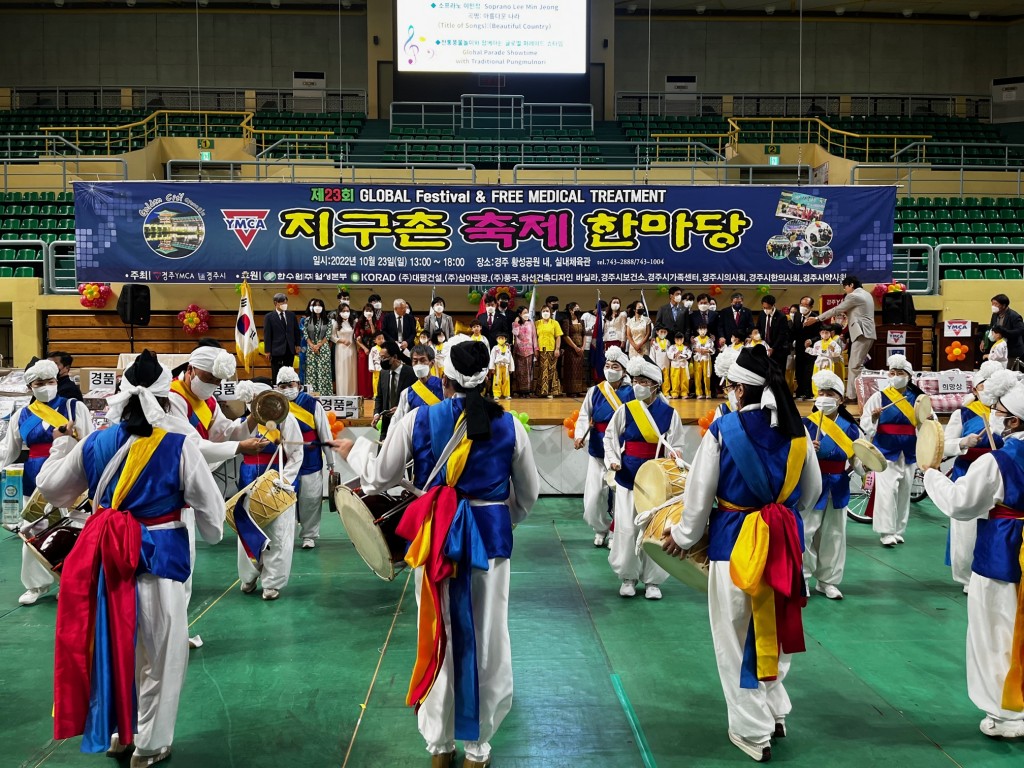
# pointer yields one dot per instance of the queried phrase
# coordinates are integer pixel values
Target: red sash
(640, 449)
(39, 450)
(832, 467)
(999, 512)
(896, 429)
(259, 460)
(601, 426)
(973, 454)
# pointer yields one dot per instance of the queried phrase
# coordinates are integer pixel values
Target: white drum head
(366, 536)
(689, 571)
(930, 445)
(923, 409)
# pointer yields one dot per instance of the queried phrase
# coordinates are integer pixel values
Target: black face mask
(554, 307)
(503, 304)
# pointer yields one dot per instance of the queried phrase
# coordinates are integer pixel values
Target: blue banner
(311, 233)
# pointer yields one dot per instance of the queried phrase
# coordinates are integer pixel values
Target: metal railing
(51, 145)
(960, 154)
(813, 130)
(629, 103)
(70, 169)
(917, 179)
(937, 266)
(490, 112)
(908, 270)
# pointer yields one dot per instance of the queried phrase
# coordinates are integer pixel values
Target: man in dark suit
(673, 315)
(395, 377)
(493, 323)
(735, 319)
(400, 327)
(802, 333)
(66, 386)
(774, 329)
(280, 335)
(1012, 327)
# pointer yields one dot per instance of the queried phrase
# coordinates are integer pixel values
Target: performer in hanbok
(636, 433)
(703, 349)
(267, 556)
(502, 365)
(991, 492)
(476, 465)
(35, 427)
(966, 440)
(426, 390)
(888, 418)
(759, 465)
(120, 653)
(599, 405)
(311, 419)
(833, 430)
(723, 363)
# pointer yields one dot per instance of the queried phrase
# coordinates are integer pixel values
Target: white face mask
(986, 399)
(804, 310)
(201, 389)
(827, 405)
(713, 307)
(377, 305)
(662, 336)
(284, 307)
(703, 307)
(439, 308)
(642, 391)
(613, 375)
(898, 382)
(687, 304)
(45, 394)
(545, 315)
(290, 392)
(367, 315)
(490, 310)
(996, 309)
(996, 423)
(421, 371)
(317, 310)
(345, 315)
(677, 299)
(615, 305)
(734, 404)
(769, 312)
(440, 340)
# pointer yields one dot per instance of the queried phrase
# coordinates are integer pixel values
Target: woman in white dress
(638, 330)
(345, 353)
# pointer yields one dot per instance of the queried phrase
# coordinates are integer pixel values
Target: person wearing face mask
(673, 316)
(437, 320)
(734, 318)
(888, 418)
(549, 348)
(804, 333)
(317, 333)
(599, 404)
(35, 427)
(635, 434)
(660, 355)
(502, 364)
(400, 327)
(364, 332)
(966, 440)
(426, 390)
(346, 356)
(439, 346)
(614, 330)
(378, 307)
(999, 352)
(492, 322)
(679, 367)
(723, 363)
(141, 477)
(833, 431)
(1012, 330)
(267, 556)
(773, 327)
(638, 330)
(572, 346)
(754, 475)
(316, 434)
(524, 348)
(991, 492)
(281, 336)
(395, 377)
(701, 314)
(827, 351)
(703, 349)
(66, 386)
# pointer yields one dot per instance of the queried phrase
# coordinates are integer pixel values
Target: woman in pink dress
(524, 348)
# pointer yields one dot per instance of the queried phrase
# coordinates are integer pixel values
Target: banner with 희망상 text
(312, 233)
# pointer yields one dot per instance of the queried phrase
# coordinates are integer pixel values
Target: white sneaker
(653, 592)
(30, 596)
(248, 587)
(829, 591)
(899, 539)
(117, 749)
(966, 591)
(599, 539)
(760, 752)
(888, 540)
(308, 543)
(1002, 729)
(628, 588)
(144, 761)
(271, 594)
(195, 642)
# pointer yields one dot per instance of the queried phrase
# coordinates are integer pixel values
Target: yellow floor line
(373, 680)
(205, 610)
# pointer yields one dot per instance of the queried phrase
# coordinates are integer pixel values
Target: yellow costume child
(679, 367)
(703, 348)
(501, 365)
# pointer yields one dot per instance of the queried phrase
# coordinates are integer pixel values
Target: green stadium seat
(932, 241)
(1012, 274)
(967, 257)
(986, 257)
(943, 226)
(946, 240)
(947, 257)
(979, 228)
(24, 272)
(6, 271)
(993, 274)
(973, 274)
(970, 202)
(910, 240)
(1005, 257)
(926, 227)
(953, 274)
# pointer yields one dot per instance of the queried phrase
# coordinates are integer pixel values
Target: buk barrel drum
(930, 445)
(695, 568)
(869, 455)
(52, 545)
(657, 481)
(371, 522)
(268, 499)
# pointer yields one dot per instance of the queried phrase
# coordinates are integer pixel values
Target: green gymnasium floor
(318, 678)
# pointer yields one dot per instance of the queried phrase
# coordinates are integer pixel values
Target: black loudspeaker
(898, 309)
(133, 304)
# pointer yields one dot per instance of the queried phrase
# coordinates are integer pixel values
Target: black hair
(374, 297)
(65, 359)
(1002, 299)
(424, 349)
(768, 299)
(144, 372)
(674, 289)
(852, 280)
(392, 348)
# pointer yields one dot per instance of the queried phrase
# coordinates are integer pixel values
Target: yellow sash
(747, 562)
(139, 454)
(610, 395)
(273, 435)
(425, 394)
(979, 408)
(644, 422)
(898, 399)
(199, 407)
(54, 418)
(302, 415)
(832, 429)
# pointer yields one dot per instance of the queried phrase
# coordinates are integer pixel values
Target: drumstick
(894, 403)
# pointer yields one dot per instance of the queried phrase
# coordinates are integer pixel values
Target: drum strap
(835, 433)
(54, 418)
(900, 400)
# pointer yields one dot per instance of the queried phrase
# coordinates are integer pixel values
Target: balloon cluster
(337, 425)
(715, 289)
(956, 352)
(474, 296)
(194, 320)
(523, 418)
(343, 288)
(704, 422)
(764, 290)
(292, 289)
(238, 288)
(881, 289)
(663, 290)
(570, 423)
(95, 295)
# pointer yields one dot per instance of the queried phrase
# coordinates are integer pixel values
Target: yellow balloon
(295, 363)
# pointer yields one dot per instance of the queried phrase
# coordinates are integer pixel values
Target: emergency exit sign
(205, 157)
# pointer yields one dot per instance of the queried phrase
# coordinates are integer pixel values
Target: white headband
(640, 367)
(724, 362)
(899, 362)
(246, 390)
(740, 375)
(214, 360)
(151, 409)
(287, 375)
(40, 370)
(828, 380)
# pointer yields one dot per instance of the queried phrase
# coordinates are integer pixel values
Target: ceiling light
(131, 3)
(769, 9)
(59, 3)
(275, 3)
(631, 8)
(840, 11)
(701, 8)
(974, 14)
(908, 12)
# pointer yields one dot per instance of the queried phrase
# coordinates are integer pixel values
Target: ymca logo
(246, 224)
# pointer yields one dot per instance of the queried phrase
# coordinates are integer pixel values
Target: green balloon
(527, 427)
(515, 414)
(524, 418)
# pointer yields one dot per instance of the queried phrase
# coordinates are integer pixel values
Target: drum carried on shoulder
(371, 521)
(658, 494)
